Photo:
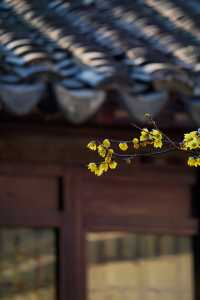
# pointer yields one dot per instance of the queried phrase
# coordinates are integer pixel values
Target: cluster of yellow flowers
(191, 141)
(105, 152)
(153, 138)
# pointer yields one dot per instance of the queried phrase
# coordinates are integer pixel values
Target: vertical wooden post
(72, 240)
(63, 278)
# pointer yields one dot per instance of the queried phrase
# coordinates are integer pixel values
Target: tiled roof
(143, 49)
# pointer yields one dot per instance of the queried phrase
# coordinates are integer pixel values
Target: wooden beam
(144, 224)
(30, 169)
(54, 144)
(29, 218)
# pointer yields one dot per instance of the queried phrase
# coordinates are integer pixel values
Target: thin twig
(121, 141)
(144, 154)
(156, 127)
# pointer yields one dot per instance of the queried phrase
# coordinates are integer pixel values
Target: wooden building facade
(71, 71)
(139, 221)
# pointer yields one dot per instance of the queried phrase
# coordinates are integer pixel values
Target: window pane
(136, 267)
(27, 264)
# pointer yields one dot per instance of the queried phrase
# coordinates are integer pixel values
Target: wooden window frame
(57, 219)
(188, 226)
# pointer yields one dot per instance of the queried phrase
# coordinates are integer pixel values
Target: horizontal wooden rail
(30, 218)
(145, 224)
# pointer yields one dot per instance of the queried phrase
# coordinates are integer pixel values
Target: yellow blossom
(191, 140)
(189, 136)
(157, 138)
(108, 157)
(136, 143)
(193, 161)
(98, 172)
(92, 167)
(101, 151)
(156, 133)
(103, 167)
(113, 165)
(158, 143)
(92, 145)
(145, 135)
(123, 146)
(106, 143)
(110, 152)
